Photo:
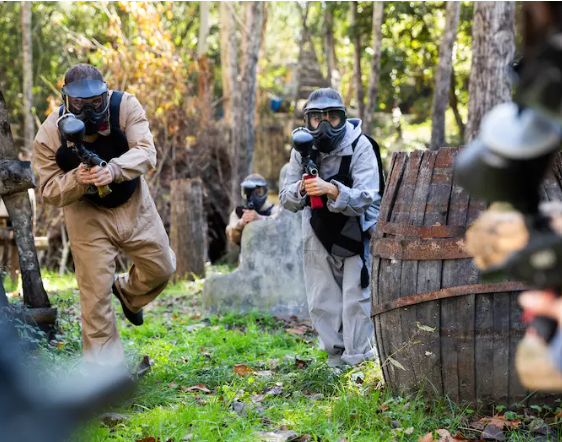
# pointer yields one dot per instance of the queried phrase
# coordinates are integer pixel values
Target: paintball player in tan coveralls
(117, 130)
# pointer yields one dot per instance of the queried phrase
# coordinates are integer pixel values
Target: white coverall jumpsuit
(339, 307)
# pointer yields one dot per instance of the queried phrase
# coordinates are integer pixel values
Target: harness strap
(114, 108)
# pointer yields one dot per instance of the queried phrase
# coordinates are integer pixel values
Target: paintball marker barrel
(302, 143)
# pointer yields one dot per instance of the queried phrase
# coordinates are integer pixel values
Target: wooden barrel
(440, 328)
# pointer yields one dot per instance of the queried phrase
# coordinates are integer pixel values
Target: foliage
(234, 377)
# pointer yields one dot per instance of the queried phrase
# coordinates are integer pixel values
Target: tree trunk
(29, 123)
(356, 40)
(454, 103)
(373, 90)
(65, 250)
(204, 75)
(261, 96)
(248, 83)
(330, 48)
(21, 215)
(493, 47)
(226, 43)
(188, 229)
(443, 76)
(233, 103)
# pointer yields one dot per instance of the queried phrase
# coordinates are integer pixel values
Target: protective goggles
(247, 192)
(336, 118)
(86, 98)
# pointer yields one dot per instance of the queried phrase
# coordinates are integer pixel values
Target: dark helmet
(254, 191)
(326, 107)
(85, 81)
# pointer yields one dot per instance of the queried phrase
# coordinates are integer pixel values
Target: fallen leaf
(301, 365)
(299, 330)
(501, 421)
(384, 407)
(538, 426)
(303, 438)
(491, 432)
(199, 387)
(478, 426)
(409, 430)
(444, 436)
(148, 439)
(242, 370)
(274, 391)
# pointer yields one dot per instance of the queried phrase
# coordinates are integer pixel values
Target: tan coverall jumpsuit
(97, 233)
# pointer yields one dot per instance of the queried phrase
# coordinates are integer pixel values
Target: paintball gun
(72, 129)
(254, 193)
(249, 206)
(515, 143)
(302, 143)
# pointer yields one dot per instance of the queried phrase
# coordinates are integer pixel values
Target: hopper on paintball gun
(302, 143)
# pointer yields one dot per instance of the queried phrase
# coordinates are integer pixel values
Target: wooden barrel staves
(440, 328)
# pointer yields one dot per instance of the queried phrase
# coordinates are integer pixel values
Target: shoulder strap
(345, 165)
(114, 107)
(377, 150)
(61, 110)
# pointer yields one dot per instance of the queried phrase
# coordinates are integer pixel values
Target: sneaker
(335, 361)
(132, 317)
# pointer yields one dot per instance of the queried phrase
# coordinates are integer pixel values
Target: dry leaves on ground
(242, 370)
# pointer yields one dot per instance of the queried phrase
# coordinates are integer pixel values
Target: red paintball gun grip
(315, 201)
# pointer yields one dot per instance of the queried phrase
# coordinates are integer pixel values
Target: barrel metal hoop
(424, 232)
(450, 292)
(420, 249)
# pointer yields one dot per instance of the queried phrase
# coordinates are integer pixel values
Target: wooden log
(19, 208)
(15, 176)
(188, 229)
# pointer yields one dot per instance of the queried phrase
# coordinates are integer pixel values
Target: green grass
(187, 349)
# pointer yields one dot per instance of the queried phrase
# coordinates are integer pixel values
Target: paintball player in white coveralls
(336, 237)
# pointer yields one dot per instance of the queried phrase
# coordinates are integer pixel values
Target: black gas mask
(88, 101)
(254, 192)
(325, 119)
